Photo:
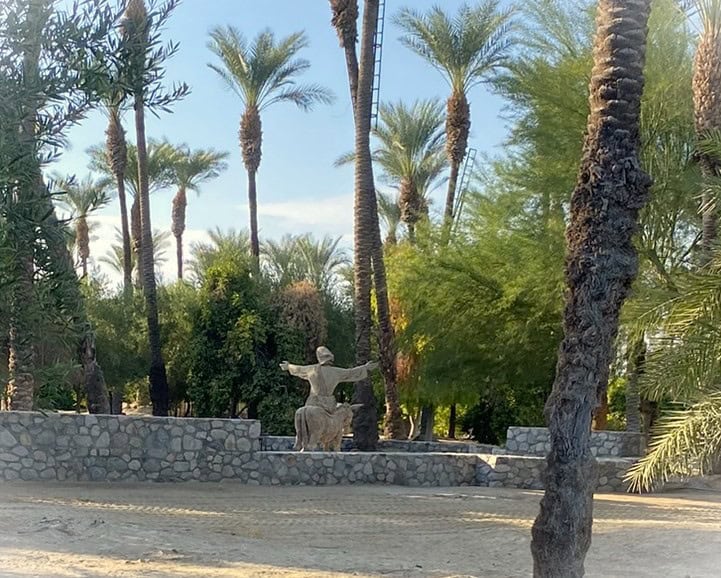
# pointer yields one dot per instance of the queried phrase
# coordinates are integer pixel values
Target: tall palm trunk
(180, 202)
(117, 155)
(251, 141)
(365, 420)
(601, 264)
(135, 33)
(345, 15)
(458, 127)
(157, 376)
(21, 353)
(707, 118)
(136, 234)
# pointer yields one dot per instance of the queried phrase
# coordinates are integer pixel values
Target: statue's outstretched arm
(356, 373)
(297, 370)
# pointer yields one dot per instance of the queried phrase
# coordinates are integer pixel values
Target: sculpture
(323, 379)
(315, 426)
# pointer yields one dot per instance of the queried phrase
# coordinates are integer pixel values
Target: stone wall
(132, 448)
(510, 471)
(400, 469)
(285, 444)
(535, 441)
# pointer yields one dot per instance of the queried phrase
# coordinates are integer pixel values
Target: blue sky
(298, 188)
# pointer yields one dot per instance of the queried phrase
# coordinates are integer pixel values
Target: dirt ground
(229, 530)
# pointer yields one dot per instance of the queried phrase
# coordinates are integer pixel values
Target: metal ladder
(468, 165)
(378, 60)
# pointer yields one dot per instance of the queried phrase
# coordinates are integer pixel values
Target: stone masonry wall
(285, 444)
(131, 448)
(535, 441)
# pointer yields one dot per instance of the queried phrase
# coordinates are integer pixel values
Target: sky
(299, 190)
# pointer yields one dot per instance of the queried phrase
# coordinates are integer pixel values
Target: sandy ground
(229, 530)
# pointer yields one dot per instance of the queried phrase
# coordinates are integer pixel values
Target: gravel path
(229, 530)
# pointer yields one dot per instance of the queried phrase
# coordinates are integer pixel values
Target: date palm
(190, 168)
(83, 198)
(409, 154)
(601, 264)
(390, 213)
(465, 48)
(114, 257)
(262, 73)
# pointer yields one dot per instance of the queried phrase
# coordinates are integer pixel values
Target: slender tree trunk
(157, 376)
(117, 156)
(601, 264)
(251, 142)
(345, 15)
(82, 239)
(137, 239)
(180, 202)
(600, 414)
(452, 422)
(427, 422)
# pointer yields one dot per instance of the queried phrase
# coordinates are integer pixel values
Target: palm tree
(232, 245)
(465, 49)
(136, 27)
(83, 198)
(368, 246)
(707, 111)
(262, 73)
(161, 159)
(189, 170)
(389, 211)
(601, 264)
(410, 154)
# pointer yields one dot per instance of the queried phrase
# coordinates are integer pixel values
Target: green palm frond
(390, 213)
(83, 197)
(685, 442)
(193, 167)
(464, 47)
(264, 71)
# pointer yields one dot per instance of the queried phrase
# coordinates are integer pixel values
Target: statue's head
(324, 355)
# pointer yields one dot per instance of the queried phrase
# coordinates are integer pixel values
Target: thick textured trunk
(636, 361)
(157, 376)
(601, 264)
(180, 202)
(251, 142)
(117, 156)
(452, 422)
(707, 119)
(458, 127)
(137, 239)
(345, 22)
(427, 421)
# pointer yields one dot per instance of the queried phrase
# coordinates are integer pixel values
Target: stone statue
(321, 419)
(324, 378)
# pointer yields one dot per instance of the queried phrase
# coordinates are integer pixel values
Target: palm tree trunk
(344, 20)
(427, 422)
(365, 420)
(137, 239)
(82, 236)
(251, 142)
(458, 127)
(707, 119)
(601, 264)
(21, 353)
(452, 422)
(117, 155)
(636, 361)
(157, 375)
(345, 15)
(180, 202)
